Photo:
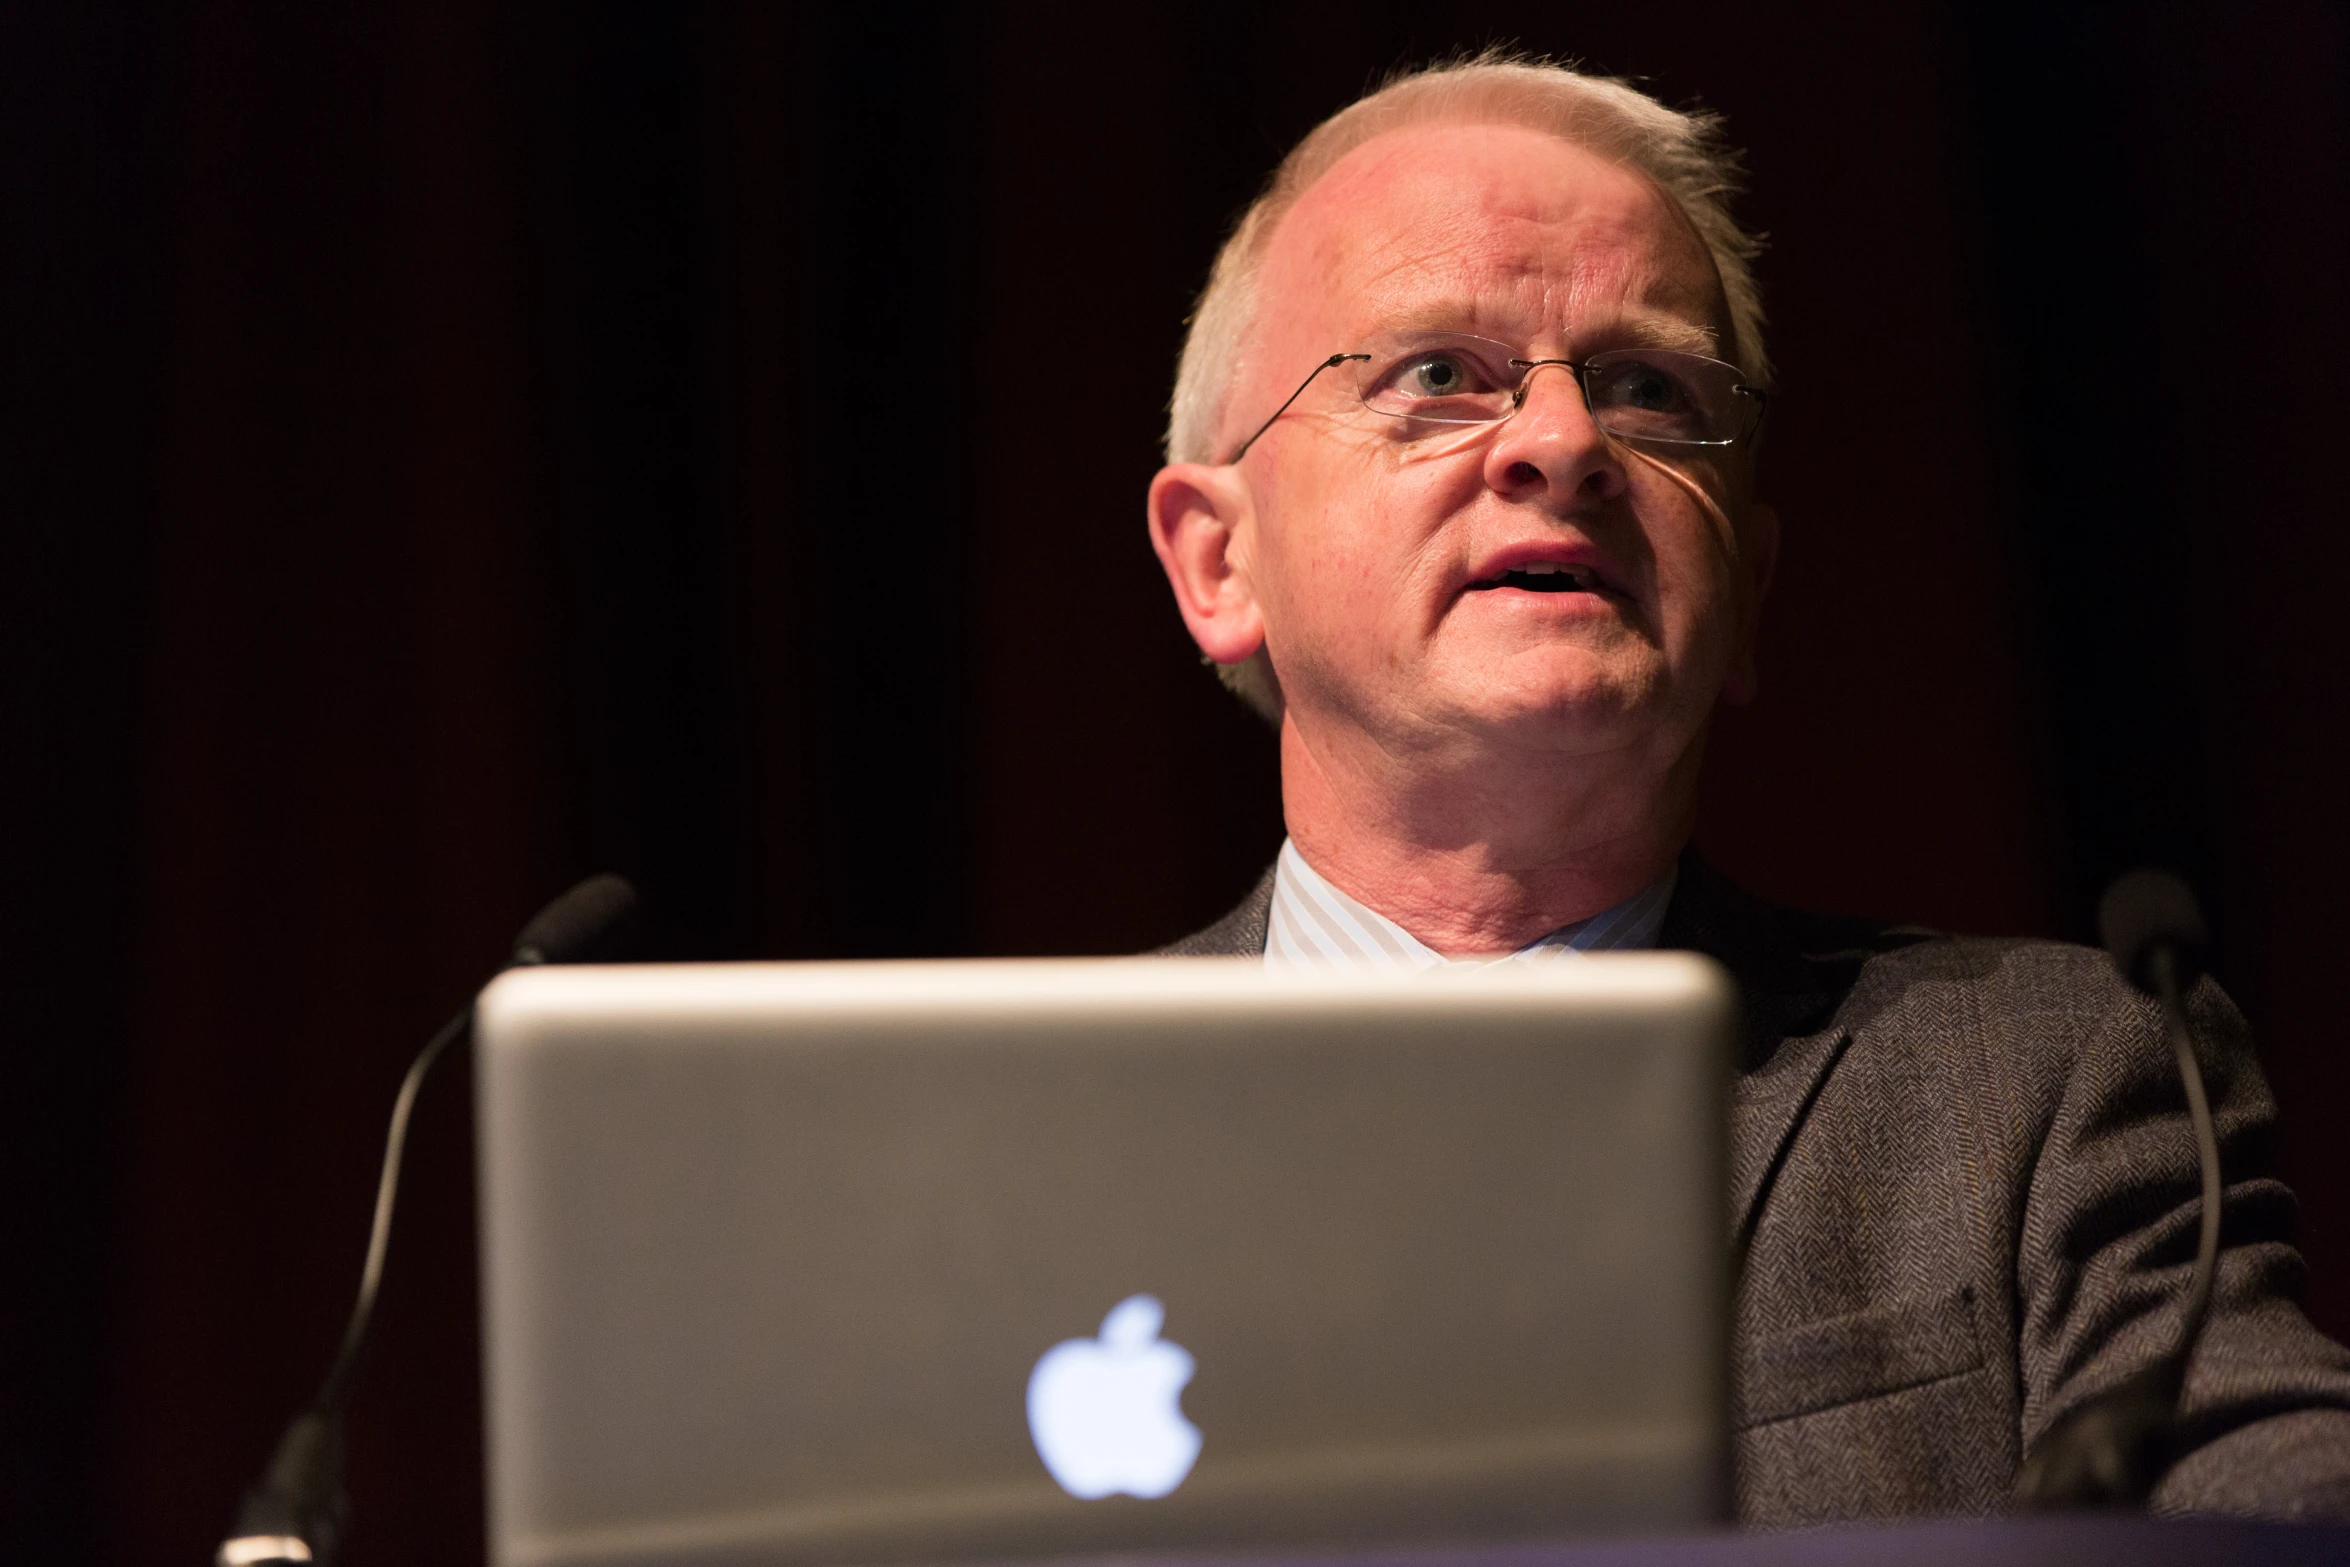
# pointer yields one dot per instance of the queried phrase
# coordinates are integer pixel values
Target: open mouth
(1542, 576)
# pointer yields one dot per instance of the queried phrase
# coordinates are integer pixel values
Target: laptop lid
(895, 1261)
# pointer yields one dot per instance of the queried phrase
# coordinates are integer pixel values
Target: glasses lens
(1439, 377)
(1646, 395)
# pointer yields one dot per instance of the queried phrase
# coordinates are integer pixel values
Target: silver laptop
(961, 1261)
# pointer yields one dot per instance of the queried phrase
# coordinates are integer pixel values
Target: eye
(1660, 396)
(1436, 375)
(1437, 380)
(1645, 388)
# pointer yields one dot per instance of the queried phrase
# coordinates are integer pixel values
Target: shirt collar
(1314, 925)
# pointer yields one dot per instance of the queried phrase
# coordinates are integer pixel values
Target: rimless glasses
(1635, 394)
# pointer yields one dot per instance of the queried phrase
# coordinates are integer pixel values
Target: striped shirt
(1314, 925)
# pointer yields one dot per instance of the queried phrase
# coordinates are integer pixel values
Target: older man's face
(1380, 554)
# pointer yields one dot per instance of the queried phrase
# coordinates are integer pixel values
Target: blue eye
(1435, 375)
(1438, 379)
(1647, 388)
(1656, 395)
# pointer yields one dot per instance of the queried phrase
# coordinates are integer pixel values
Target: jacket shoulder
(2040, 1005)
(2008, 977)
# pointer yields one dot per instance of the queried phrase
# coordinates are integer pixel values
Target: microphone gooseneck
(2112, 1450)
(297, 1511)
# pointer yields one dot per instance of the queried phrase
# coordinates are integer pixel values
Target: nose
(1551, 449)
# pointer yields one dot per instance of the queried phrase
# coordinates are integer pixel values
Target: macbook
(878, 1262)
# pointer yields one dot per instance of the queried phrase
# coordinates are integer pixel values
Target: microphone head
(593, 920)
(2144, 912)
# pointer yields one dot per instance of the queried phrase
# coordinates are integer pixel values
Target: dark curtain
(453, 448)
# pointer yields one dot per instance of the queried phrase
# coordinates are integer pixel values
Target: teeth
(1554, 568)
(1579, 579)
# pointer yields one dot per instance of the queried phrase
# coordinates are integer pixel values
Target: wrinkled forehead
(1499, 230)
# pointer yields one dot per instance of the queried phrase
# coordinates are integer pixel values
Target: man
(1460, 495)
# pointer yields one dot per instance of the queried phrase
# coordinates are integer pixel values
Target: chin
(1567, 690)
(1577, 720)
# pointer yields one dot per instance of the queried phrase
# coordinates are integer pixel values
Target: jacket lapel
(1239, 934)
(1765, 1110)
(1792, 1040)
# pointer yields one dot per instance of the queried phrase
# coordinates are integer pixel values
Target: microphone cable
(297, 1511)
(2112, 1450)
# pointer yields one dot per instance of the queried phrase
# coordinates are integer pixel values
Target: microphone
(297, 1511)
(2112, 1450)
(594, 920)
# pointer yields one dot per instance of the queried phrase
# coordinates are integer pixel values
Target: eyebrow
(1655, 329)
(1633, 328)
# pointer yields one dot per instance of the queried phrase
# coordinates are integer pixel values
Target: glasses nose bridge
(1528, 368)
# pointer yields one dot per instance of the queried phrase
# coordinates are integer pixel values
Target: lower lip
(1590, 601)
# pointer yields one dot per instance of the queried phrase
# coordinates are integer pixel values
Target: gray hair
(1685, 154)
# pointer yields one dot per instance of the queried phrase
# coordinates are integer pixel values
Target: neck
(1486, 853)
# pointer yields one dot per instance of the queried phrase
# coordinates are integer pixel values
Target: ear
(1201, 522)
(1758, 558)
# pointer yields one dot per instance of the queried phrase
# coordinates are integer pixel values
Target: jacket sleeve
(2107, 1247)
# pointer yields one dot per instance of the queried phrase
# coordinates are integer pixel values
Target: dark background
(453, 448)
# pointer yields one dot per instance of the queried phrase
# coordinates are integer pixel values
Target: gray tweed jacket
(1964, 1189)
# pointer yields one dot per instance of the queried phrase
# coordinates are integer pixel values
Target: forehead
(1496, 229)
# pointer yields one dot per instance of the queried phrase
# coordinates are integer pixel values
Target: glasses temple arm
(1334, 359)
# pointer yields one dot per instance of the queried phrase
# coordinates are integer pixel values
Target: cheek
(1348, 550)
(1697, 568)
(1306, 563)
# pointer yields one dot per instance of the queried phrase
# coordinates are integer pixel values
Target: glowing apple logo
(1104, 1411)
